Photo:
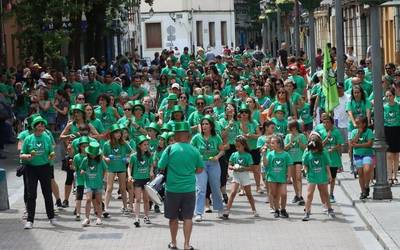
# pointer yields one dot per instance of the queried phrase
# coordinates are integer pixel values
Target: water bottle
(112, 157)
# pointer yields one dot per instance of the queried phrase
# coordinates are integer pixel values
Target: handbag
(20, 170)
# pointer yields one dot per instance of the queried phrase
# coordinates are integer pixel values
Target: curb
(368, 218)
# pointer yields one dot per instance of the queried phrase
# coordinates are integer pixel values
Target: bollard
(4, 203)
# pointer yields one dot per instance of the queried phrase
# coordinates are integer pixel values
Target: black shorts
(179, 205)
(256, 156)
(333, 172)
(391, 135)
(140, 183)
(79, 192)
(52, 172)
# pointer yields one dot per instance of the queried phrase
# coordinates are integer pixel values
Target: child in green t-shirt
(316, 164)
(277, 163)
(240, 162)
(295, 143)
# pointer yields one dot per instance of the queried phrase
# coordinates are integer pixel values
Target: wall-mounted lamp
(172, 16)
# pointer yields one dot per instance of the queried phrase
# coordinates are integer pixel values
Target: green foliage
(373, 2)
(310, 5)
(285, 5)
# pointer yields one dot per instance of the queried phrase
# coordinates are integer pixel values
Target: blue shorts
(94, 190)
(361, 160)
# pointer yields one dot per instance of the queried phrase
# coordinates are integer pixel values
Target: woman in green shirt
(358, 105)
(37, 152)
(391, 113)
(211, 148)
(107, 114)
(116, 153)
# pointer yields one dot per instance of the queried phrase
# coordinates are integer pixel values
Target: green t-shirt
(77, 88)
(181, 161)
(42, 145)
(153, 144)
(141, 169)
(132, 91)
(243, 159)
(391, 114)
(335, 139)
(304, 114)
(280, 125)
(96, 123)
(107, 118)
(118, 155)
(316, 166)
(208, 148)
(77, 161)
(287, 109)
(357, 108)
(251, 129)
(92, 91)
(113, 89)
(295, 151)
(232, 130)
(366, 136)
(195, 118)
(94, 172)
(300, 83)
(185, 59)
(261, 141)
(278, 166)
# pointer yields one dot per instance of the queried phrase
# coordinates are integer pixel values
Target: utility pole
(297, 27)
(339, 42)
(2, 51)
(311, 30)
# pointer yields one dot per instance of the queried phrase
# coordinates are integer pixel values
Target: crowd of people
(201, 120)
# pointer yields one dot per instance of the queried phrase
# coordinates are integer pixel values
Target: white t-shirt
(340, 113)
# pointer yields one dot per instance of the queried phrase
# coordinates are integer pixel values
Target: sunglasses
(80, 98)
(200, 104)
(183, 97)
(127, 109)
(209, 112)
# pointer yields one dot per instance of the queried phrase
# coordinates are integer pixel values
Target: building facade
(187, 23)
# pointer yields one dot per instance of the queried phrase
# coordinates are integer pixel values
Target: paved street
(241, 231)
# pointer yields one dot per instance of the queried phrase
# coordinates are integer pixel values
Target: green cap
(154, 126)
(38, 120)
(139, 104)
(182, 127)
(170, 135)
(115, 127)
(93, 149)
(247, 89)
(166, 127)
(200, 97)
(164, 135)
(30, 119)
(279, 108)
(208, 118)
(244, 107)
(230, 100)
(78, 107)
(83, 139)
(141, 139)
(177, 108)
(172, 97)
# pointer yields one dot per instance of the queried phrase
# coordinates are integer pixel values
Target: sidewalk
(381, 217)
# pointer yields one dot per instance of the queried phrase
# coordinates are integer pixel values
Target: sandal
(190, 248)
(172, 246)
(390, 181)
(395, 181)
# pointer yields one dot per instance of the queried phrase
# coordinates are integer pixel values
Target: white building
(187, 23)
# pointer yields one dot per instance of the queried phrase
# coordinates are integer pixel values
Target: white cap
(47, 76)
(176, 85)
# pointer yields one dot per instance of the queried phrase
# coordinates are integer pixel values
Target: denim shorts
(361, 160)
(94, 190)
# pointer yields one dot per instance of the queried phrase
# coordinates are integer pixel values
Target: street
(241, 231)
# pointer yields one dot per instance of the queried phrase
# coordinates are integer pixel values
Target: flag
(329, 87)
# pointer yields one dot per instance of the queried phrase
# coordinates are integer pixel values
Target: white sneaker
(52, 221)
(198, 218)
(28, 225)
(86, 223)
(220, 214)
(255, 214)
(99, 222)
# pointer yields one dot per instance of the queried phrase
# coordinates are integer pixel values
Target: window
(153, 35)
(211, 34)
(224, 33)
(199, 33)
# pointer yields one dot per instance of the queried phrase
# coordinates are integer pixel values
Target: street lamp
(381, 189)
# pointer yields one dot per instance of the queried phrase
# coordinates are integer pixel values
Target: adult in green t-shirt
(182, 162)
(111, 88)
(358, 106)
(93, 89)
(38, 152)
(185, 58)
(391, 114)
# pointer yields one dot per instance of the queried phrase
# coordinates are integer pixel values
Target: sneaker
(276, 214)
(52, 221)
(241, 193)
(331, 214)
(146, 220)
(99, 222)
(363, 196)
(225, 197)
(367, 192)
(301, 201)
(208, 210)
(306, 217)
(332, 198)
(137, 222)
(295, 199)
(198, 218)
(86, 222)
(77, 217)
(226, 214)
(220, 214)
(124, 211)
(157, 209)
(284, 214)
(58, 204)
(28, 225)
(65, 204)
(106, 214)
(255, 214)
